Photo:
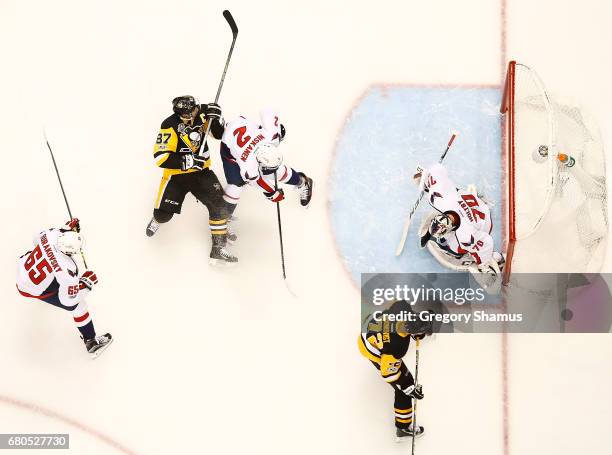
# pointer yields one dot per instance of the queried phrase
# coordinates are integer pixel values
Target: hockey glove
(276, 196)
(491, 267)
(213, 111)
(191, 161)
(418, 173)
(415, 392)
(72, 225)
(88, 280)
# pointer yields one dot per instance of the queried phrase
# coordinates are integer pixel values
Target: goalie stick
(62, 187)
(232, 23)
(402, 242)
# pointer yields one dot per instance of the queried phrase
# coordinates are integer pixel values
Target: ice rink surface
(217, 361)
(399, 128)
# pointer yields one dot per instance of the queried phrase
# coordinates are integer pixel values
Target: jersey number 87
(163, 138)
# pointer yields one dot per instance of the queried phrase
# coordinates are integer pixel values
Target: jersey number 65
(37, 269)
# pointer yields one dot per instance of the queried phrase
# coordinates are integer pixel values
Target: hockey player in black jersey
(185, 171)
(385, 343)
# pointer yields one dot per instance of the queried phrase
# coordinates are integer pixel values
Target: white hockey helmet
(70, 242)
(268, 156)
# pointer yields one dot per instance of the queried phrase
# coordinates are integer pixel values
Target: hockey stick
(416, 383)
(280, 235)
(61, 186)
(232, 23)
(58, 175)
(402, 242)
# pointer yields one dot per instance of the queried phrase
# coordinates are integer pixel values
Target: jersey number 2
(241, 139)
(37, 269)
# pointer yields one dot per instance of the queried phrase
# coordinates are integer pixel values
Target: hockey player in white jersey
(460, 226)
(49, 273)
(249, 151)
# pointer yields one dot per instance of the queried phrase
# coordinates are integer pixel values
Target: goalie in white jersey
(458, 232)
(249, 151)
(50, 274)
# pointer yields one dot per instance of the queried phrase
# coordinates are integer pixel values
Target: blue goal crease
(389, 133)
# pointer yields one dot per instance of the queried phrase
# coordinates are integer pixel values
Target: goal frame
(507, 109)
(543, 190)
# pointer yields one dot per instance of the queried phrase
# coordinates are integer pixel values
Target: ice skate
(220, 256)
(152, 227)
(305, 189)
(96, 346)
(403, 434)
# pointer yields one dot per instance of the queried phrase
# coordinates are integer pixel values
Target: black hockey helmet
(184, 105)
(418, 324)
(423, 324)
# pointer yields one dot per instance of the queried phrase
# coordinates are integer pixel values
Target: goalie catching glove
(488, 275)
(494, 266)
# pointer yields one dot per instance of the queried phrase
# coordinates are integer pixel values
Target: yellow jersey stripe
(404, 420)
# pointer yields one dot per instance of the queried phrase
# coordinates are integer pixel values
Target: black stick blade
(230, 20)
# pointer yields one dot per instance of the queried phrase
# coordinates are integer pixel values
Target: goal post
(555, 188)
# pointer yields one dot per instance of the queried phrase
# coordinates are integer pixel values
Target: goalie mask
(442, 225)
(70, 242)
(268, 157)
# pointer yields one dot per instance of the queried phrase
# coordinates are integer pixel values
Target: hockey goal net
(556, 201)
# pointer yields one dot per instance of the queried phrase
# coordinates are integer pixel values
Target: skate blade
(220, 263)
(293, 294)
(99, 352)
(400, 439)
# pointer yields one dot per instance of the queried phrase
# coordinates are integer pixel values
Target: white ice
(208, 361)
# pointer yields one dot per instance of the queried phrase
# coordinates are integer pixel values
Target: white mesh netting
(556, 213)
